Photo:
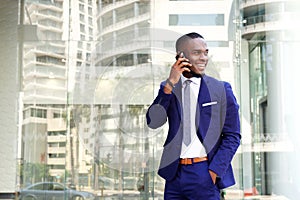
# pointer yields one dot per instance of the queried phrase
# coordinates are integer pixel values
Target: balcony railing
(110, 6)
(264, 18)
(269, 22)
(56, 161)
(56, 150)
(59, 138)
(249, 3)
(126, 23)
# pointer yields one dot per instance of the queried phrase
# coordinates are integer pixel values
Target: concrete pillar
(9, 90)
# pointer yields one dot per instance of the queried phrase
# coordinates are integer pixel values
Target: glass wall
(84, 102)
(271, 69)
(80, 77)
(272, 141)
(77, 77)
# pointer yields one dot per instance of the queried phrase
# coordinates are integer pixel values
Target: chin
(200, 71)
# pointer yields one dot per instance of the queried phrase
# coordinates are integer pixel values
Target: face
(196, 51)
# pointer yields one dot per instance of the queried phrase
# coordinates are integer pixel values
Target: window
(81, 17)
(144, 7)
(49, 59)
(88, 56)
(90, 11)
(88, 46)
(107, 20)
(79, 54)
(106, 2)
(143, 58)
(218, 44)
(81, 7)
(54, 155)
(90, 21)
(57, 115)
(124, 13)
(56, 133)
(80, 44)
(39, 113)
(125, 60)
(196, 20)
(82, 28)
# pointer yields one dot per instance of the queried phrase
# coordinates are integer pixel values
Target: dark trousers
(192, 182)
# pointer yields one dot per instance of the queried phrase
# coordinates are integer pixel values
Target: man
(204, 127)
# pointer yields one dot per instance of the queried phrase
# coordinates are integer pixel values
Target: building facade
(269, 34)
(87, 70)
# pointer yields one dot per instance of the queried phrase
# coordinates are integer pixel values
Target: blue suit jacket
(217, 124)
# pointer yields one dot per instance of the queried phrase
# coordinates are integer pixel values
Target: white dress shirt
(195, 148)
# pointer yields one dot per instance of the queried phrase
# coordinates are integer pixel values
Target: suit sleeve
(157, 112)
(230, 134)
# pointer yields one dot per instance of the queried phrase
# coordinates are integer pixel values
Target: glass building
(270, 35)
(78, 76)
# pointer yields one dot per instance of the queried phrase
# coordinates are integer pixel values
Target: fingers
(213, 176)
(182, 64)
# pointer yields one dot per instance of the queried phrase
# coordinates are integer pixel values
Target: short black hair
(183, 39)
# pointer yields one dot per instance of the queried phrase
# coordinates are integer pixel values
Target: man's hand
(213, 176)
(181, 65)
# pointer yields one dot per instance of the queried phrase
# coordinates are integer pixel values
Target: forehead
(196, 43)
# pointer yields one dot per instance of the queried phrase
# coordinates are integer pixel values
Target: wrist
(170, 83)
(168, 87)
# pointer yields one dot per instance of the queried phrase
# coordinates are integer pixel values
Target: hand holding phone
(186, 73)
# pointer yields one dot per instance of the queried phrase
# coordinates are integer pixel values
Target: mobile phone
(185, 73)
(180, 55)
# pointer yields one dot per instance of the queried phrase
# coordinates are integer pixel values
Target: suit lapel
(178, 94)
(203, 97)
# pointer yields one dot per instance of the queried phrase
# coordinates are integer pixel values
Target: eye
(205, 53)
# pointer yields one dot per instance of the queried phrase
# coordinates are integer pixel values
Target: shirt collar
(193, 79)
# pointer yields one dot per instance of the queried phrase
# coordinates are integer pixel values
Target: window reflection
(86, 87)
(77, 77)
(196, 19)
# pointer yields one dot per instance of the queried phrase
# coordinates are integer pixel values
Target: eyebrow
(201, 50)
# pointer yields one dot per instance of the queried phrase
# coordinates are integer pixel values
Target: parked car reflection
(53, 190)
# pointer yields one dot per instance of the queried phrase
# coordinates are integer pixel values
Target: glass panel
(85, 89)
(78, 77)
(196, 20)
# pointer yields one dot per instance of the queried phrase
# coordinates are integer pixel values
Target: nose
(203, 55)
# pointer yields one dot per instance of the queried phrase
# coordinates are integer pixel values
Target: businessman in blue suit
(204, 127)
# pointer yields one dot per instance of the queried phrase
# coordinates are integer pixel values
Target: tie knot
(187, 82)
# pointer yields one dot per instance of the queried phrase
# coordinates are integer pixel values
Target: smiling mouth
(201, 65)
